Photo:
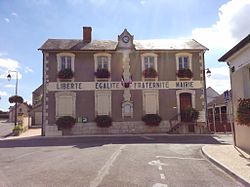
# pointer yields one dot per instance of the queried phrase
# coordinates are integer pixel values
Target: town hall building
(124, 80)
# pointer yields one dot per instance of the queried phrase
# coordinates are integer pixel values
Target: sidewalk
(32, 132)
(231, 159)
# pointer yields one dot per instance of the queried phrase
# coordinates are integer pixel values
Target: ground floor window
(65, 104)
(151, 102)
(103, 103)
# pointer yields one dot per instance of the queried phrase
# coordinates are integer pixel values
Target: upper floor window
(184, 66)
(102, 65)
(65, 65)
(149, 65)
(102, 62)
(65, 61)
(183, 62)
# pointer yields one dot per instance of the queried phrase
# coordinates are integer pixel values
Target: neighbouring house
(126, 83)
(211, 94)
(238, 60)
(220, 113)
(22, 110)
(36, 110)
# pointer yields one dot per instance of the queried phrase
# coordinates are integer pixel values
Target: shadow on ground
(85, 142)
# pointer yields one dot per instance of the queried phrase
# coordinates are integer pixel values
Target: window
(102, 62)
(183, 61)
(65, 61)
(103, 102)
(149, 60)
(150, 102)
(65, 104)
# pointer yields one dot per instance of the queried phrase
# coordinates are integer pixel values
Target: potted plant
(151, 119)
(184, 73)
(150, 73)
(65, 74)
(189, 115)
(65, 123)
(102, 73)
(18, 129)
(243, 112)
(103, 121)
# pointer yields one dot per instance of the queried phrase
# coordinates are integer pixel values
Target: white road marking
(147, 138)
(105, 169)
(160, 185)
(162, 176)
(157, 163)
(169, 157)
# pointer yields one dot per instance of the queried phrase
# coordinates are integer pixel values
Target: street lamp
(9, 78)
(208, 73)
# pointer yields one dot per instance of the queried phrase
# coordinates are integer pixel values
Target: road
(126, 161)
(5, 128)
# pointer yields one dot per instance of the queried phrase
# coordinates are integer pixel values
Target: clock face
(125, 39)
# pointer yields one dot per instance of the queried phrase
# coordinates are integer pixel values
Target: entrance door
(185, 103)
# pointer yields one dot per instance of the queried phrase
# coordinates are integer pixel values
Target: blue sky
(27, 24)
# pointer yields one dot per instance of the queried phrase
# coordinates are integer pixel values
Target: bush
(152, 119)
(184, 73)
(102, 73)
(15, 99)
(65, 122)
(243, 112)
(18, 129)
(189, 115)
(103, 121)
(150, 73)
(65, 74)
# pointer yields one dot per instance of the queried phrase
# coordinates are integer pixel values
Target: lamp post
(208, 73)
(9, 78)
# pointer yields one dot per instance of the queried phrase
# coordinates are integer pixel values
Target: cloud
(7, 20)
(10, 86)
(7, 64)
(219, 79)
(28, 70)
(3, 93)
(14, 14)
(232, 26)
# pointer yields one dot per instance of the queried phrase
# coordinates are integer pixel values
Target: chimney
(87, 34)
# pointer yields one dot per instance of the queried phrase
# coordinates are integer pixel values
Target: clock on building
(125, 39)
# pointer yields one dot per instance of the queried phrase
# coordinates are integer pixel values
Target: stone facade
(85, 96)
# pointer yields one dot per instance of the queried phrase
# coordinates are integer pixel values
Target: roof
(160, 44)
(219, 100)
(236, 48)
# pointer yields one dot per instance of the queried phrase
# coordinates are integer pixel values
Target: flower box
(243, 112)
(103, 121)
(184, 73)
(65, 122)
(65, 74)
(102, 73)
(189, 115)
(151, 119)
(150, 73)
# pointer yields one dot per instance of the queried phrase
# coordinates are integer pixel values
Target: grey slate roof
(161, 44)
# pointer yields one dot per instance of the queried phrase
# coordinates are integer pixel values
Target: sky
(26, 24)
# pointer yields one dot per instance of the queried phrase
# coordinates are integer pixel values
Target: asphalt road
(127, 161)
